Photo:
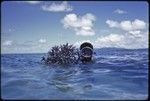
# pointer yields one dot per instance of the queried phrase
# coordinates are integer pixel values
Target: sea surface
(115, 74)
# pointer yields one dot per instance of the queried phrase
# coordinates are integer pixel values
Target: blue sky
(36, 26)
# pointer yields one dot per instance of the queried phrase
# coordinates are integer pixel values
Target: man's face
(86, 52)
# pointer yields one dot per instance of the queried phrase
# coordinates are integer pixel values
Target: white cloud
(7, 43)
(42, 40)
(134, 36)
(129, 40)
(112, 40)
(138, 24)
(82, 25)
(119, 11)
(54, 7)
(112, 23)
(25, 47)
(29, 2)
(127, 25)
(136, 33)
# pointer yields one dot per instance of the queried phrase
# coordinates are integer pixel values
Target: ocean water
(116, 74)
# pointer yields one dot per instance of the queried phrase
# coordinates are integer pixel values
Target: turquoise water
(116, 74)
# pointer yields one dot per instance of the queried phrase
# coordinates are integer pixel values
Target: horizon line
(94, 48)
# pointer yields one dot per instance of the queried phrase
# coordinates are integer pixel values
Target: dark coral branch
(63, 54)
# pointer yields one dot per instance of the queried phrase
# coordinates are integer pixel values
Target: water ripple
(114, 75)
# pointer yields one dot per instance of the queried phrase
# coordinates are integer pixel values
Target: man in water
(86, 52)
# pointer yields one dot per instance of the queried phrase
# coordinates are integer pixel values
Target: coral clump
(63, 54)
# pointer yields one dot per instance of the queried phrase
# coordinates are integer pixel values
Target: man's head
(86, 52)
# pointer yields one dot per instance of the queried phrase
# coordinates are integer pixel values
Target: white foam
(101, 70)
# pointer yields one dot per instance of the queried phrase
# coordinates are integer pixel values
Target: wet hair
(86, 44)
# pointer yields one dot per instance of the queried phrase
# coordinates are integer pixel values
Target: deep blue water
(116, 74)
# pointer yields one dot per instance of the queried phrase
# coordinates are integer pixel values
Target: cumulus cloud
(112, 40)
(119, 11)
(29, 2)
(136, 33)
(82, 25)
(127, 25)
(7, 43)
(112, 23)
(55, 7)
(134, 36)
(129, 40)
(42, 41)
